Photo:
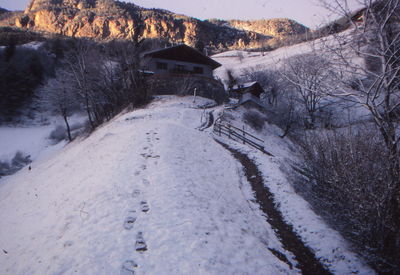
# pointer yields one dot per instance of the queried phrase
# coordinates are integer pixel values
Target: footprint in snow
(145, 206)
(68, 243)
(145, 182)
(129, 222)
(136, 193)
(140, 244)
(128, 267)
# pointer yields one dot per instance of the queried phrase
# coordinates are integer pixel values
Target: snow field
(32, 137)
(144, 194)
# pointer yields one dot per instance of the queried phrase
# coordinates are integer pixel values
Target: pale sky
(307, 12)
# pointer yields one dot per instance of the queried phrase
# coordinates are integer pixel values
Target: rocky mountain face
(279, 27)
(108, 19)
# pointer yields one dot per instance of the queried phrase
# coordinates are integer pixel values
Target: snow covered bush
(254, 119)
(346, 178)
(17, 163)
(58, 134)
(20, 160)
(4, 168)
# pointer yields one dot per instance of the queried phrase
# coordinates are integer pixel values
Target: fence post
(229, 131)
(244, 136)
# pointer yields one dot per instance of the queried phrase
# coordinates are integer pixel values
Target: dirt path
(307, 262)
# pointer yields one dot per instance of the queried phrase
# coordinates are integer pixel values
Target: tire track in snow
(305, 257)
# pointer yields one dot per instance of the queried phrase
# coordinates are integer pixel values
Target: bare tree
(375, 82)
(81, 61)
(231, 80)
(367, 59)
(186, 85)
(308, 75)
(288, 115)
(133, 78)
(278, 93)
(60, 96)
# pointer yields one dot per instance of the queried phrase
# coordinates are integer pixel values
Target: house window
(198, 70)
(179, 68)
(162, 66)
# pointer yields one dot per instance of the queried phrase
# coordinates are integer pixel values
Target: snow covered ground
(328, 245)
(242, 62)
(28, 140)
(33, 137)
(147, 189)
(148, 193)
(238, 61)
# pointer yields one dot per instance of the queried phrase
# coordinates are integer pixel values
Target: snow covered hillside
(148, 193)
(36, 138)
(237, 61)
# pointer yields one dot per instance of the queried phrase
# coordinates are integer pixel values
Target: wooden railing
(239, 135)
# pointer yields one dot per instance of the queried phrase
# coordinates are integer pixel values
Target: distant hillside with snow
(239, 60)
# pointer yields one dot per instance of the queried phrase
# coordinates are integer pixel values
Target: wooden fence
(239, 135)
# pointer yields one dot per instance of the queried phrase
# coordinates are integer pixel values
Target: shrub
(4, 168)
(20, 160)
(58, 134)
(17, 163)
(347, 181)
(254, 119)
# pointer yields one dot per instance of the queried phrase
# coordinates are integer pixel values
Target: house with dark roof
(182, 70)
(179, 60)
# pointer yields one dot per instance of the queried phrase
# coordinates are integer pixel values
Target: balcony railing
(183, 71)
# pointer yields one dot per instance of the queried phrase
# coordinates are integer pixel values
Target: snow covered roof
(244, 85)
(184, 53)
(146, 72)
(248, 87)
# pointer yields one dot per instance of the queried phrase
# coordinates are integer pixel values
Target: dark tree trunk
(68, 128)
(67, 125)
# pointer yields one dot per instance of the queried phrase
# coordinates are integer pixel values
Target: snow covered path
(307, 261)
(144, 194)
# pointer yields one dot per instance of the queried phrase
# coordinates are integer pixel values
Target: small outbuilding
(254, 88)
(248, 94)
(251, 101)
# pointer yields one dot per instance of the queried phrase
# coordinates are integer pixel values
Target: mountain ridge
(108, 19)
(275, 27)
